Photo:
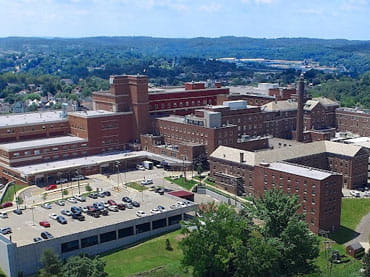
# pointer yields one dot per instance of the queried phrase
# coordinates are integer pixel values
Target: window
(174, 219)
(27, 153)
(55, 148)
(109, 236)
(70, 246)
(141, 228)
(16, 154)
(37, 152)
(159, 223)
(129, 231)
(89, 241)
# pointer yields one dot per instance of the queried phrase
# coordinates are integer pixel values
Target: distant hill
(353, 55)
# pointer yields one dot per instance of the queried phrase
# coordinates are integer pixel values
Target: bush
(88, 188)
(168, 245)
(65, 192)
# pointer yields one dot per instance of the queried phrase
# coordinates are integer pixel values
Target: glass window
(108, 236)
(141, 228)
(159, 223)
(125, 232)
(89, 241)
(70, 246)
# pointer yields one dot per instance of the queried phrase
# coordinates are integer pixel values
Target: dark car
(112, 202)
(93, 195)
(135, 204)
(121, 206)
(104, 212)
(46, 235)
(62, 220)
(91, 209)
(126, 199)
(107, 193)
(75, 210)
(101, 194)
(80, 217)
(6, 204)
(18, 211)
(37, 239)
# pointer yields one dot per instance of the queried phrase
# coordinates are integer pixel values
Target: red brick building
(356, 121)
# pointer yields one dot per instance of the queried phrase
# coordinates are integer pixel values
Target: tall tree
(52, 266)
(82, 266)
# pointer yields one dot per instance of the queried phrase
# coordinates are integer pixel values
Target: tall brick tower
(300, 111)
(138, 87)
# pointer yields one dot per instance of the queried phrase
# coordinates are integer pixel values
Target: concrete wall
(28, 257)
(7, 256)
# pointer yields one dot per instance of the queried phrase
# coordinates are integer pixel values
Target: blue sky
(186, 18)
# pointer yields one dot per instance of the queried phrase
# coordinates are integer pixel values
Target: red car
(112, 203)
(6, 204)
(44, 224)
(51, 187)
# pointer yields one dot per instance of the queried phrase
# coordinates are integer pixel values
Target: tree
(82, 266)
(298, 246)
(52, 266)
(366, 264)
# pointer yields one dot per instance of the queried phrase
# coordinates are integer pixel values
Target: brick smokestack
(300, 112)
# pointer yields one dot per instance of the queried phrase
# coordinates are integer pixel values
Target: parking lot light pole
(78, 181)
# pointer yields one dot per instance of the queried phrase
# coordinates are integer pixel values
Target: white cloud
(352, 5)
(258, 1)
(211, 8)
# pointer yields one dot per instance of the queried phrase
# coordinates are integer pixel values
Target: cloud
(211, 8)
(258, 1)
(354, 5)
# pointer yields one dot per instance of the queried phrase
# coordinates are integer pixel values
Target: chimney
(241, 157)
(300, 112)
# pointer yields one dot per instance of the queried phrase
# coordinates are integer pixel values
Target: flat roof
(23, 230)
(42, 168)
(361, 141)
(39, 143)
(24, 119)
(303, 171)
(95, 113)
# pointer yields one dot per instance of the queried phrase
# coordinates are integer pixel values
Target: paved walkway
(363, 230)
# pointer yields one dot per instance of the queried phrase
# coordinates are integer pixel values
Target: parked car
(104, 212)
(99, 206)
(75, 210)
(159, 166)
(173, 206)
(60, 202)
(140, 213)
(181, 204)
(112, 202)
(135, 204)
(3, 215)
(121, 206)
(80, 217)
(126, 199)
(46, 235)
(366, 194)
(355, 193)
(129, 206)
(66, 212)
(78, 178)
(140, 167)
(46, 205)
(84, 209)
(146, 182)
(93, 195)
(80, 198)
(6, 230)
(101, 194)
(53, 216)
(37, 239)
(51, 187)
(6, 205)
(72, 200)
(113, 208)
(61, 181)
(107, 193)
(44, 223)
(61, 219)
(18, 211)
(155, 211)
(161, 208)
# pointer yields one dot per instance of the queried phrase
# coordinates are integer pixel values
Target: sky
(347, 19)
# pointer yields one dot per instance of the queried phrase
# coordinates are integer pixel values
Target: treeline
(350, 92)
(353, 56)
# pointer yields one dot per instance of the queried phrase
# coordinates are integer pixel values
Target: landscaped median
(187, 184)
(136, 186)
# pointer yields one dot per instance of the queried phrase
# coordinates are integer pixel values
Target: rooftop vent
(264, 164)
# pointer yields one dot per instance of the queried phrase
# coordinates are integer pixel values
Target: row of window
(48, 150)
(170, 105)
(34, 128)
(121, 233)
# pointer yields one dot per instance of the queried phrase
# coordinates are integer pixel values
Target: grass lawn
(188, 184)
(352, 212)
(9, 195)
(136, 186)
(149, 258)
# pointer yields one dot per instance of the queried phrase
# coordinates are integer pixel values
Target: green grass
(188, 184)
(9, 195)
(149, 258)
(136, 186)
(2, 274)
(352, 212)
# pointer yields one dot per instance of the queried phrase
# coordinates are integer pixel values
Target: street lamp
(78, 181)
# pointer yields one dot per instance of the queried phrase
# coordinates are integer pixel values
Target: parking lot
(26, 227)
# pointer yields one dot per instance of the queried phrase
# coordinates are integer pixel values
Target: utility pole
(78, 181)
